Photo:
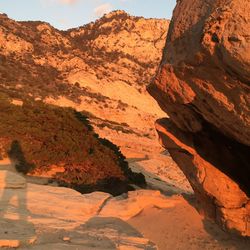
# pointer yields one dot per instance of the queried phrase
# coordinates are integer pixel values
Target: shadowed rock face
(203, 84)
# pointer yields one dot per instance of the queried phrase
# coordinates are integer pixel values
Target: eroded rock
(203, 85)
(129, 206)
(211, 169)
(47, 217)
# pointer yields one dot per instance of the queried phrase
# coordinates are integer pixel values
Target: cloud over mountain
(103, 9)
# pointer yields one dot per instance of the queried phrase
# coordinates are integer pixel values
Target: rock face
(203, 85)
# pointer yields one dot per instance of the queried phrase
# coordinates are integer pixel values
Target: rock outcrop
(47, 217)
(203, 85)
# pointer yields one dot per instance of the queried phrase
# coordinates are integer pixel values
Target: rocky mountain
(101, 71)
(44, 60)
(203, 85)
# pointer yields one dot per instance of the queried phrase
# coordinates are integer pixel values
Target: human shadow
(13, 198)
(18, 158)
(13, 205)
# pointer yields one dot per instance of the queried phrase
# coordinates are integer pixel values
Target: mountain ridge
(91, 70)
(30, 39)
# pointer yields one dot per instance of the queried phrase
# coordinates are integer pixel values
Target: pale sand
(181, 228)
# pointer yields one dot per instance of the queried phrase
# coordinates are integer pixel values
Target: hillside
(44, 60)
(104, 65)
(100, 70)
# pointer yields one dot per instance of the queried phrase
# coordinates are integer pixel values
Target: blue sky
(64, 14)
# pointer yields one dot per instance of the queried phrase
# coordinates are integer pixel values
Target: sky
(65, 14)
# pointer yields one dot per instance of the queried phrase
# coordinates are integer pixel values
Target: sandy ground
(181, 227)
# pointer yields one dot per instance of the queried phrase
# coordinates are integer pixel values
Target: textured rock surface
(45, 217)
(203, 85)
(133, 203)
(206, 64)
(209, 165)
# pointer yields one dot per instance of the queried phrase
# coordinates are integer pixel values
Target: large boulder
(203, 85)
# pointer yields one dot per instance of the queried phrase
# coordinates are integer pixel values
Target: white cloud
(103, 9)
(68, 1)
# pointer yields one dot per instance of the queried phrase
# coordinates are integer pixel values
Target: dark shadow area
(112, 223)
(17, 156)
(225, 239)
(133, 178)
(106, 233)
(113, 186)
(229, 156)
(112, 232)
(84, 119)
(228, 240)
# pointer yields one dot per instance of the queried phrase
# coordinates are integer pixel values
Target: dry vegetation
(39, 136)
